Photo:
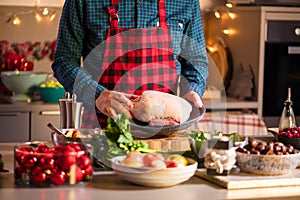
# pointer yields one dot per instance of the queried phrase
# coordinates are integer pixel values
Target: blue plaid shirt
(83, 26)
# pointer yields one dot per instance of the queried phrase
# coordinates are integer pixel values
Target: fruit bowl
(51, 95)
(43, 164)
(145, 176)
(288, 136)
(20, 83)
(51, 91)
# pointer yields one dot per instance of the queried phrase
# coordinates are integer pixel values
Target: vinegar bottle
(287, 119)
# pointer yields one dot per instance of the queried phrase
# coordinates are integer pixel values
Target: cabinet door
(14, 126)
(39, 121)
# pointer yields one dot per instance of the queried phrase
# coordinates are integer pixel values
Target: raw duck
(161, 109)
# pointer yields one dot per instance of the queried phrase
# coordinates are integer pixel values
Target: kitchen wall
(29, 30)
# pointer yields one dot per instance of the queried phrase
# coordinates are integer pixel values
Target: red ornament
(19, 171)
(22, 151)
(79, 174)
(76, 147)
(58, 177)
(12, 62)
(83, 161)
(88, 171)
(42, 148)
(28, 160)
(37, 175)
(25, 65)
(46, 162)
(67, 158)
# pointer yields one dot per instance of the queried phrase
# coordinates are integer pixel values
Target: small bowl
(51, 95)
(269, 165)
(43, 164)
(154, 177)
(295, 142)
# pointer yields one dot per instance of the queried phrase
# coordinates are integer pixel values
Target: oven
(281, 69)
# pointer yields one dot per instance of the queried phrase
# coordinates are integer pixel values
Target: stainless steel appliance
(282, 67)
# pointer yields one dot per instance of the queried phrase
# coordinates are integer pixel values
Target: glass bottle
(287, 119)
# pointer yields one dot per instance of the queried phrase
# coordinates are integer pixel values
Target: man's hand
(194, 97)
(112, 103)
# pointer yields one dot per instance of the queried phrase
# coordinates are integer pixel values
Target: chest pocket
(176, 29)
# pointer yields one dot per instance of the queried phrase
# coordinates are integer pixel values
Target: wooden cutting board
(245, 180)
(180, 142)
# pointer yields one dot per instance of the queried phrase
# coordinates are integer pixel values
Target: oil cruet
(287, 119)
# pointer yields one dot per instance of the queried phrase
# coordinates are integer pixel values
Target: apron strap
(113, 13)
(162, 14)
(114, 17)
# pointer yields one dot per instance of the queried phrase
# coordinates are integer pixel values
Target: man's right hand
(112, 103)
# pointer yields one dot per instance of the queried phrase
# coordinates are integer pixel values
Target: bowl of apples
(154, 169)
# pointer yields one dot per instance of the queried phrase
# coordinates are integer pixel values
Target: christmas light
(52, 16)
(217, 14)
(16, 20)
(39, 14)
(231, 15)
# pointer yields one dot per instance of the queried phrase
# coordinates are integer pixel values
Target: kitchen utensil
(56, 130)
(71, 112)
(144, 130)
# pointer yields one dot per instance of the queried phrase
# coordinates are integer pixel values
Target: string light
(16, 20)
(217, 14)
(231, 15)
(38, 17)
(39, 14)
(45, 11)
(52, 16)
(229, 5)
(228, 31)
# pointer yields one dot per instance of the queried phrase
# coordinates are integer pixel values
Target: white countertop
(107, 185)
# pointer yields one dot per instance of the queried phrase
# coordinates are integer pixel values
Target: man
(130, 46)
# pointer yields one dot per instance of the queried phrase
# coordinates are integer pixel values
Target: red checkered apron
(136, 60)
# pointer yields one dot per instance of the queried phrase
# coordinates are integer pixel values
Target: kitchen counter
(107, 185)
(28, 107)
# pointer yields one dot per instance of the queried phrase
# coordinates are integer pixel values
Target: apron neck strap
(112, 10)
(114, 17)
(162, 14)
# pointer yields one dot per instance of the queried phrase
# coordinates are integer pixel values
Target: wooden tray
(245, 180)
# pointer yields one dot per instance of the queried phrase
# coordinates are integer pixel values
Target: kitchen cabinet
(15, 126)
(32, 3)
(22, 122)
(39, 120)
